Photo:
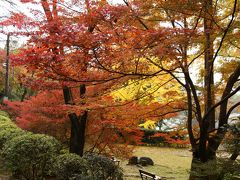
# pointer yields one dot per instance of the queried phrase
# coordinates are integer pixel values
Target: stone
(146, 160)
(143, 162)
(133, 160)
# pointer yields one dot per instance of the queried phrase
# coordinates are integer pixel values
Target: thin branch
(119, 72)
(139, 19)
(220, 102)
(232, 108)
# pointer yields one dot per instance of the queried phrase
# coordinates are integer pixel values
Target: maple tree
(62, 50)
(202, 36)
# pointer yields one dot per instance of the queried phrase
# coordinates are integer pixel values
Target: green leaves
(30, 155)
(27, 155)
(70, 166)
(91, 166)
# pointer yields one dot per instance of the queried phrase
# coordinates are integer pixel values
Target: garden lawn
(168, 162)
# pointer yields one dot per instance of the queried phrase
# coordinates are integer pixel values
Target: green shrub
(4, 119)
(102, 167)
(3, 114)
(228, 169)
(71, 167)
(7, 125)
(30, 156)
(8, 130)
(9, 133)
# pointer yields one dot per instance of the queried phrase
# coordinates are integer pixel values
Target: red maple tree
(94, 46)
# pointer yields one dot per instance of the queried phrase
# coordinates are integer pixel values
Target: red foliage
(47, 113)
(177, 138)
(43, 113)
(102, 45)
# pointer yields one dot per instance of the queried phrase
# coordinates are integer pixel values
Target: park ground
(171, 163)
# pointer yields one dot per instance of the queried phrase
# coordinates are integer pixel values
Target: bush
(102, 167)
(3, 114)
(6, 123)
(8, 133)
(229, 169)
(71, 167)
(4, 119)
(91, 166)
(30, 156)
(8, 130)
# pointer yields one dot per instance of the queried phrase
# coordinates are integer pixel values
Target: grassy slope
(169, 162)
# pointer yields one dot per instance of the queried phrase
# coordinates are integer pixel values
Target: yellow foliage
(149, 124)
(155, 89)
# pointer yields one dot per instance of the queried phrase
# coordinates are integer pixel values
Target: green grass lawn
(169, 162)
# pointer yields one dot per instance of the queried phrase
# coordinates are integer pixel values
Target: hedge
(30, 156)
(27, 155)
(71, 167)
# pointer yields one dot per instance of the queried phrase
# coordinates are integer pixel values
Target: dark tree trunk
(208, 123)
(82, 128)
(234, 156)
(78, 123)
(67, 93)
(74, 138)
(77, 139)
(208, 64)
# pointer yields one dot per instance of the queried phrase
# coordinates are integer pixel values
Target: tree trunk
(82, 128)
(208, 64)
(67, 93)
(6, 86)
(77, 139)
(208, 123)
(74, 145)
(78, 124)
